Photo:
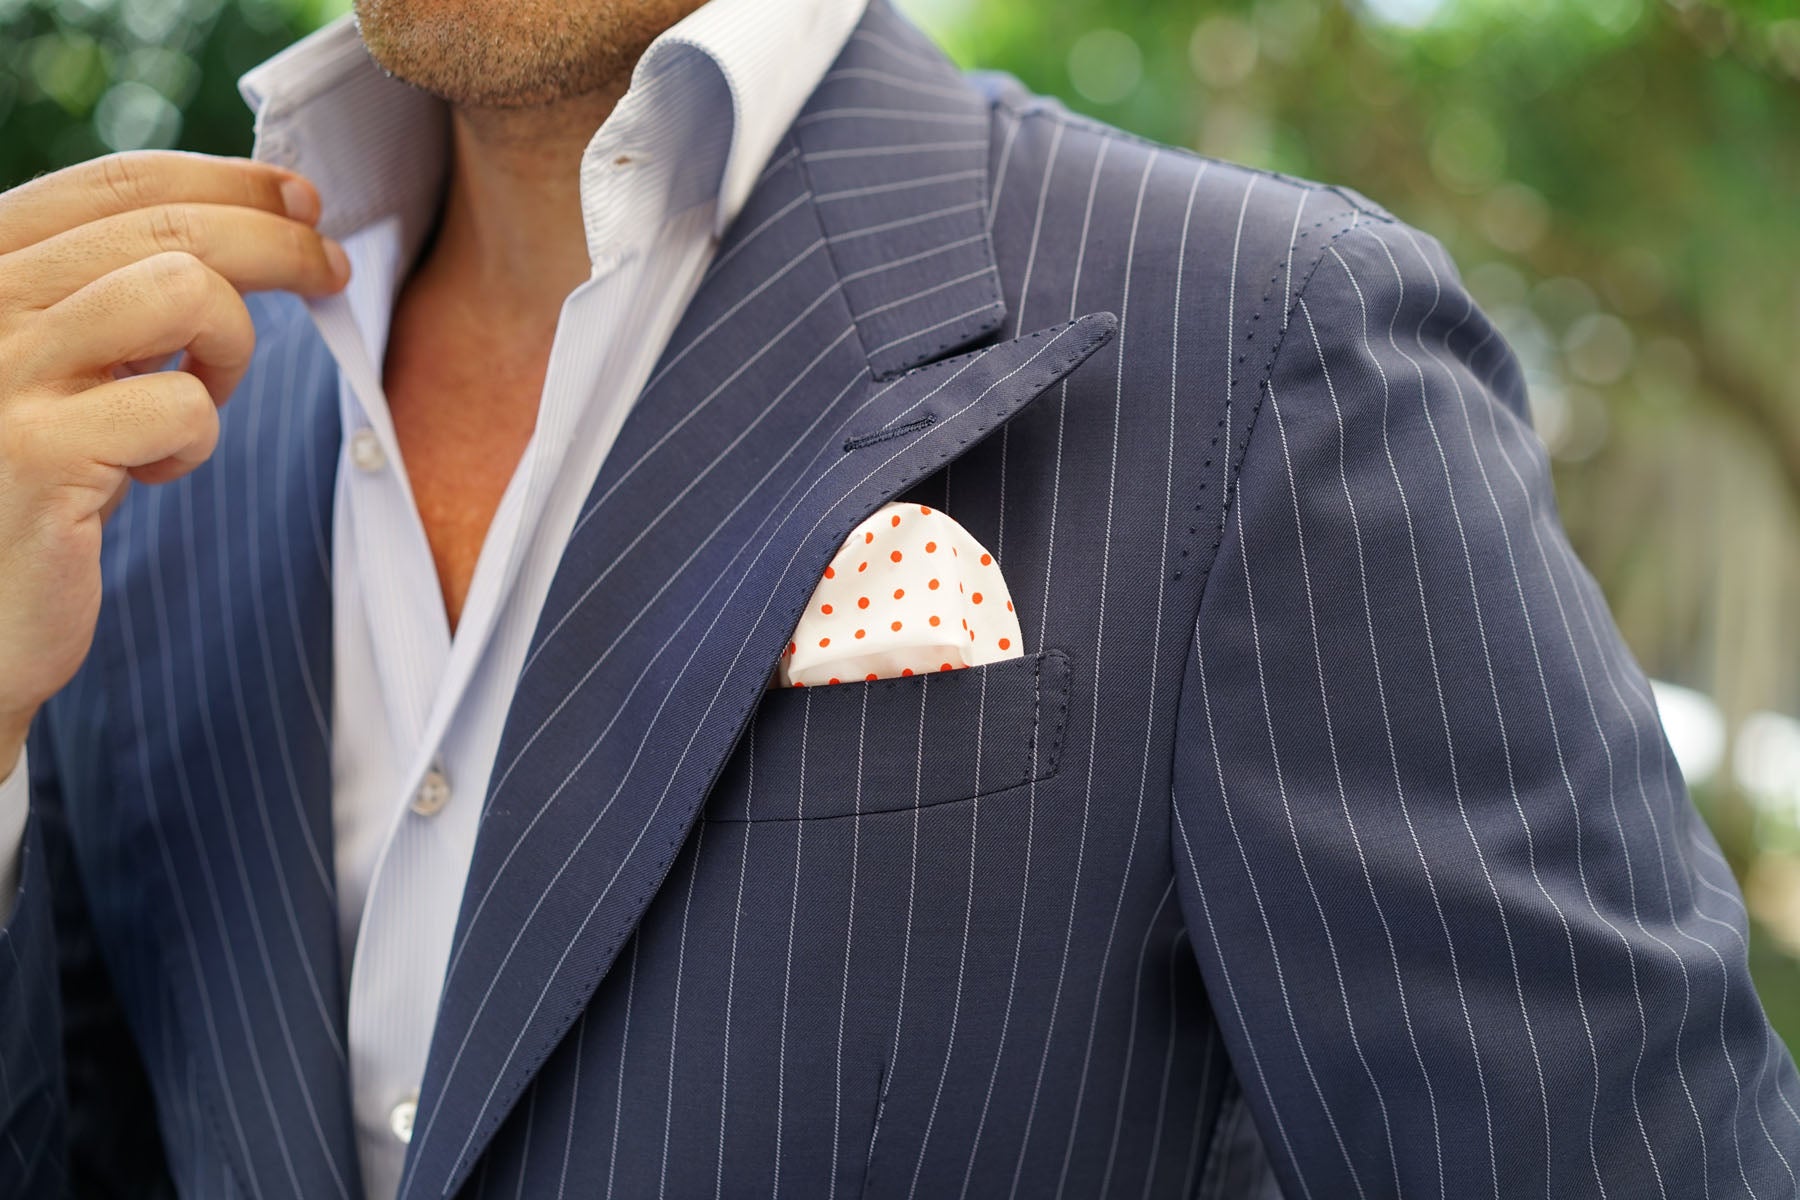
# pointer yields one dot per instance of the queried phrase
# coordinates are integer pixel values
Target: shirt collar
(377, 147)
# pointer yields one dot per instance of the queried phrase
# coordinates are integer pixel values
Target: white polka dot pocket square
(910, 591)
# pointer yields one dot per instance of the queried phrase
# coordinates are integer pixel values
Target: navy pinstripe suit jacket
(1324, 843)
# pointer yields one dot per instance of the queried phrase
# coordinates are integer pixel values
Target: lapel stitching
(477, 1127)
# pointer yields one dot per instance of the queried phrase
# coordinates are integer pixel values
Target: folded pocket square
(908, 592)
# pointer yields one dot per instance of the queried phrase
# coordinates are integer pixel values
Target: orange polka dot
(953, 552)
(868, 537)
(896, 627)
(831, 572)
(924, 511)
(1009, 606)
(987, 559)
(965, 622)
(931, 547)
(899, 592)
(1005, 643)
(860, 632)
(895, 556)
(833, 679)
(826, 609)
(862, 566)
(797, 683)
(823, 642)
(971, 635)
(896, 521)
(862, 602)
(871, 676)
(932, 585)
(944, 667)
(792, 647)
(906, 670)
(976, 597)
(934, 619)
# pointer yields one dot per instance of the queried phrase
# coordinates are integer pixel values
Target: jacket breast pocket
(856, 749)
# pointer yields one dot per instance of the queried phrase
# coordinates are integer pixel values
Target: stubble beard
(512, 53)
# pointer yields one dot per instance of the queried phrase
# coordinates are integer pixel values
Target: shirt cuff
(15, 806)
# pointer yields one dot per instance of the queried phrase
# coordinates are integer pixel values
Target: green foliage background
(1619, 179)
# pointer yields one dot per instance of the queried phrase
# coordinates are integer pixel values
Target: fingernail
(340, 262)
(301, 201)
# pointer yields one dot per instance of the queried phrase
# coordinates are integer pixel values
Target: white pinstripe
(1106, 544)
(737, 916)
(1394, 760)
(125, 518)
(674, 773)
(1162, 559)
(957, 91)
(888, 114)
(1231, 994)
(612, 1158)
(282, 466)
(261, 802)
(837, 1104)
(921, 256)
(1031, 800)
(962, 958)
(1230, 342)
(687, 907)
(931, 329)
(1006, 149)
(930, 60)
(1443, 710)
(1131, 1045)
(886, 150)
(1555, 733)
(1162, 1095)
(787, 974)
(1049, 563)
(562, 1179)
(937, 214)
(1593, 712)
(901, 185)
(172, 704)
(892, 1066)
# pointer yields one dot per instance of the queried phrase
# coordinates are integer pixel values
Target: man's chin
(517, 54)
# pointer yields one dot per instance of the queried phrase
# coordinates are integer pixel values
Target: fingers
(253, 249)
(156, 427)
(154, 306)
(120, 183)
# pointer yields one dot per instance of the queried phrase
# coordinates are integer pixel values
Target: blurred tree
(1620, 180)
(79, 78)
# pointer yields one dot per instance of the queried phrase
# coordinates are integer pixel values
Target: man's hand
(105, 267)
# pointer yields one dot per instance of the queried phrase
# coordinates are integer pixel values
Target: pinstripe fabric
(1323, 843)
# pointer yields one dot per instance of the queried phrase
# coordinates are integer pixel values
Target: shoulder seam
(1051, 109)
(1250, 425)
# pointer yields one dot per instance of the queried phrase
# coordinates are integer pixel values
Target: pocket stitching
(1035, 770)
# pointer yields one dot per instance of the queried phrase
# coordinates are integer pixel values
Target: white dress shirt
(416, 712)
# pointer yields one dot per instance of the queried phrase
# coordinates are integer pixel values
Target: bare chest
(462, 422)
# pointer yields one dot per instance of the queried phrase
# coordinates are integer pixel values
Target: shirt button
(400, 1118)
(366, 451)
(433, 793)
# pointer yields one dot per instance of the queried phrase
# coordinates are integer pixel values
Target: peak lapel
(789, 404)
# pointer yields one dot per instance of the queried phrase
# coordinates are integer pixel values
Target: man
(416, 802)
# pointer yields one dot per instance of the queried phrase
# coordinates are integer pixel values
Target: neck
(511, 237)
